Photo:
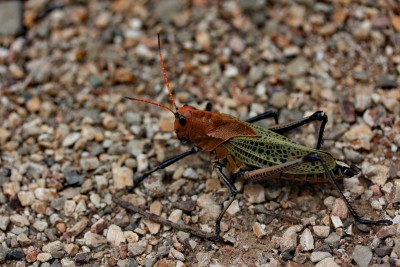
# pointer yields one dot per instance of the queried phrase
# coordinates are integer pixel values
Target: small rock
(387, 231)
(319, 256)
(362, 255)
(363, 99)
(382, 252)
(360, 136)
(177, 255)
(131, 237)
(188, 205)
(33, 104)
(53, 247)
(385, 81)
(378, 174)
(23, 240)
(212, 185)
(74, 177)
(43, 257)
(137, 248)
(78, 227)
(175, 216)
(332, 240)
(15, 254)
(82, 258)
(279, 99)
(94, 240)
(115, 235)
(142, 162)
(122, 177)
(237, 44)
(340, 208)
(259, 229)
(327, 262)
(233, 208)
(289, 239)
(321, 231)
(4, 221)
(69, 207)
(99, 226)
(254, 193)
(109, 122)
(11, 17)
(71, 249)
(101, 182)
(19, 220)
(307, 240)
(40, 225)
(26, 198)
(4, 135)
(88, 164)
(71, 139)
(336, 221)
(298, 67)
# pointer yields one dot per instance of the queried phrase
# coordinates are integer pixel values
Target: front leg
(218, 168)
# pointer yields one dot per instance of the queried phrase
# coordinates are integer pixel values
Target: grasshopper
(251, 152)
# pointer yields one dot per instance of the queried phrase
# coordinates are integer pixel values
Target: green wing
(270, 149)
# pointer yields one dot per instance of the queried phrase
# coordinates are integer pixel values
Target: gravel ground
(69, 141)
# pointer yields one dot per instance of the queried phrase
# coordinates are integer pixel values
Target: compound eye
(182, 120)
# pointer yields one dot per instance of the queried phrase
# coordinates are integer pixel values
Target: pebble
(378, 174)
(115, 235)
(74, 177)
(94, 240)
(254, 193)
(321, 231)
(122, 177)
(318, 256)
(26, 198)
(298, 67)
(234, 208)
(137, 248)
(82, 258)
(175, 216)
(78, 227)
(333, 240)
(259, 229)
(11, 18)
(43, 257)
(40, 225)
(279, 99)
(19, 220)
(327, 262)
(4, 221)
(340, 208)
(307, 240)
(177, 255)
(71, 139)
(360, 136)
(88, 164)
(362, 255)
(23, 240)
(289, 239)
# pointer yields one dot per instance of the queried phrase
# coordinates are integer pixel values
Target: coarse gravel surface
(70, 141)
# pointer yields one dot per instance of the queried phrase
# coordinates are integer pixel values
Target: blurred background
(69, 140)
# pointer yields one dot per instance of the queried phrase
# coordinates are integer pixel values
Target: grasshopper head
(183, 122)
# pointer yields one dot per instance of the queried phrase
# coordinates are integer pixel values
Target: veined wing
(269, 149)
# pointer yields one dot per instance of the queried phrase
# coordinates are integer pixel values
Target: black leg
(265, 115)
(232, 188)
(208, 106)
(317, 116)
(163, 165)
(313, 157)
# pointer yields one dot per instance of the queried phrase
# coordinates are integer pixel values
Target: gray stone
(362, 255)
(10, 17)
